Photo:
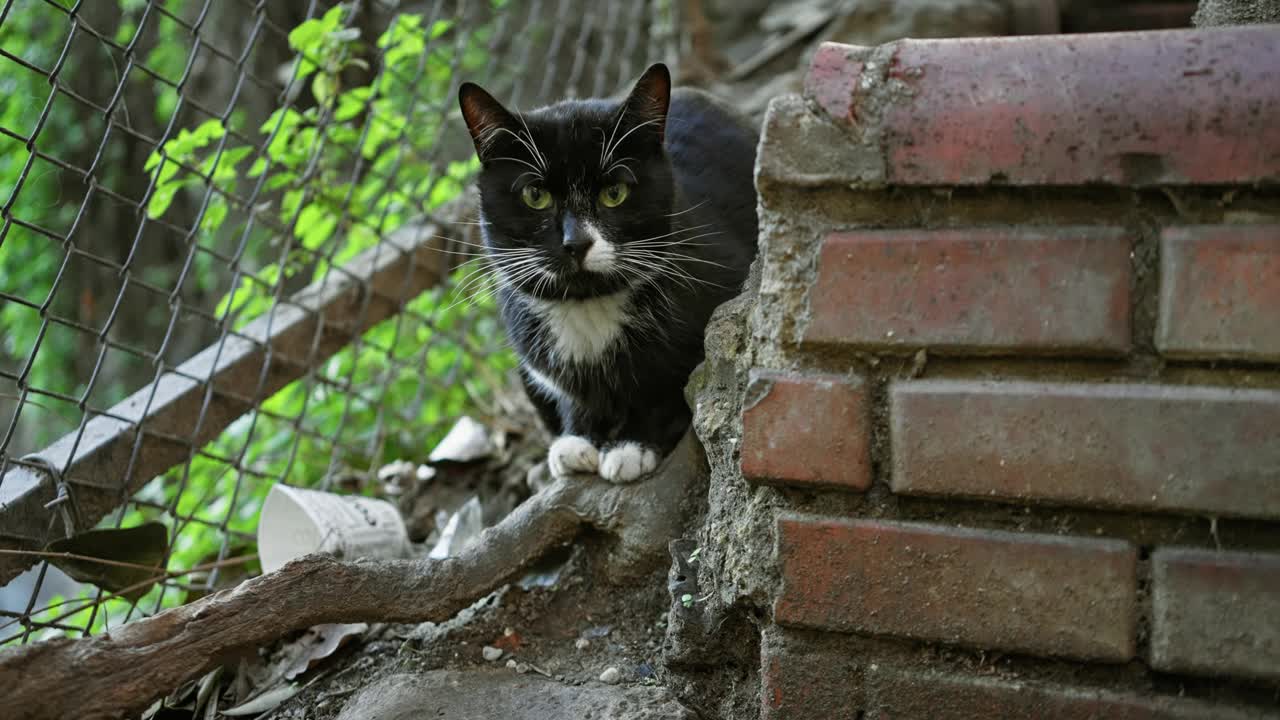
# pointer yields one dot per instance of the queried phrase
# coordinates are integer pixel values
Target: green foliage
(347, 171)
(335, 174)
(29, 261)
(38, 190)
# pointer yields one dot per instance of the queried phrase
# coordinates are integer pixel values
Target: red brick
(1040, 594)
(894, 694)
(1134, 109)
(1216, 613)
(1220, 292)
(833, 77)
(806, 430)
(1029, 289)
(802, 680)
(1202, 450)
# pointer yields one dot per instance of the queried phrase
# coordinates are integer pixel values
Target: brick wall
(1015, 384)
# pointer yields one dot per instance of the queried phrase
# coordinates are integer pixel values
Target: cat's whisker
(473, 276)
(660, 266)
(515, 274)
(546, 279)
(660, 246)
(623, 164)
(542, 159)
(497, 262)
(655, 121)
(536, 170)
(486, 263)
(462, 253)
(677, 231)
(533, 150)
(456, 241)
(534, 260)
(688, 209)
(650, 245)
(477, 282)
(605, 151)
(469, 300)
(516, 182)
(481, 246)
(673, 232)
(686, 258)
(670, 262)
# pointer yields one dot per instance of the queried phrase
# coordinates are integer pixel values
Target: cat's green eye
(535, 197)
(614, 195)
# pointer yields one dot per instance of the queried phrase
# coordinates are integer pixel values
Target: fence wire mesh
(227, 261)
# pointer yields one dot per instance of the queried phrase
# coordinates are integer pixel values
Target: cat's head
(571, 194)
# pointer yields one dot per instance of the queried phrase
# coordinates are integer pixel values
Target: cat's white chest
(584, 330)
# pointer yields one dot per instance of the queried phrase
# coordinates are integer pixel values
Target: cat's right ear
(485, 117)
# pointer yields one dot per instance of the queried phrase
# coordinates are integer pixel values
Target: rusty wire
(129, 308)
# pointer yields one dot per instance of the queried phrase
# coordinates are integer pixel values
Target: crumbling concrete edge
(813, 142)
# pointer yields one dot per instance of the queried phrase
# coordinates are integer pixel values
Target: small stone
(523, 668)
(492, 654)
(511, 664)
(611, 676)
(582, 643)
(397, 470)
(468, 441)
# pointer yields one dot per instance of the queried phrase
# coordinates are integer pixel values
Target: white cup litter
(296, 522)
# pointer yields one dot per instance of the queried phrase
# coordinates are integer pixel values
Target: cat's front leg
(649, 434)
(627, 461)
(572, 454)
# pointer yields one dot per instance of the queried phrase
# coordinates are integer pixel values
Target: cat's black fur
(688, 163)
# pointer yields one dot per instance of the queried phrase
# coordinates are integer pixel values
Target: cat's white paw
(627, 462)
(571, 454)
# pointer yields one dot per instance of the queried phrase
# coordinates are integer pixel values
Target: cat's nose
(577, 239)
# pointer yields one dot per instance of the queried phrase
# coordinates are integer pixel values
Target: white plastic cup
(296, 522)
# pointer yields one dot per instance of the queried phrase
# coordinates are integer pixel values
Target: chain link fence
(235, 252)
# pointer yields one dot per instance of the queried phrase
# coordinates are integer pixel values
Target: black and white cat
(615, 227)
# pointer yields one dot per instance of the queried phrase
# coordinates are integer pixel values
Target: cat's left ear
(649, 99)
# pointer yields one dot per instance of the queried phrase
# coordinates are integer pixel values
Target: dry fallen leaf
(319, 643)
(268, 700)
(142, 547)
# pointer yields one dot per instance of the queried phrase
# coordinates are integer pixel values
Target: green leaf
(323, 86)
(345, 35)
(280, 180)
(315, 225)
(305, 37)
(352, 103)
(208, 131)
(214, 215)
(161, 199)
(438, 28)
